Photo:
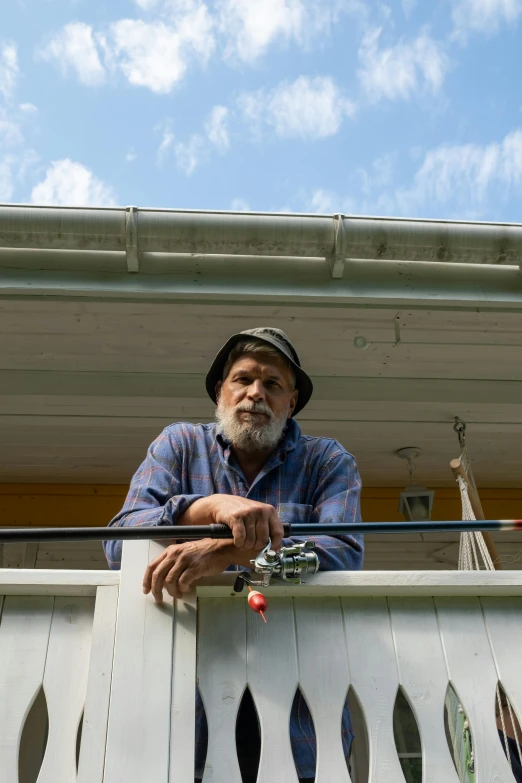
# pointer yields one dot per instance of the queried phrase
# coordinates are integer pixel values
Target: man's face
(255, 401)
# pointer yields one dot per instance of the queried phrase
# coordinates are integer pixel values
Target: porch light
(415, 503)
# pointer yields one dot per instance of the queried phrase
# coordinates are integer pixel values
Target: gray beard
(250, 436)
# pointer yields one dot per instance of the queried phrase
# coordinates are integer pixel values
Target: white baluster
(272, 677)
(65, 685)
(373, 669)
(474, 677)
(94, 729)
(324, 679)
(423, 675)
(24, 637)
(222, 680)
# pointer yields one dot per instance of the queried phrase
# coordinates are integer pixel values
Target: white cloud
(153, 54)
(146, 5)
(460, 181)
(156, 54)
(28, 108)
(251, 26)
(403, 70)
(15, 158)
(191, 154)
(167, 140)
(216, 127)
(130, 157)
(10, 133)
(14, 167)
(308, 108)
(466, 176)
(75, 47)
(26, 161)
(484, 16)
(368, 192)
(240, 205)
(156, 50)
(6, 177)
(68, 183)
(326, 202)
(8, 68)
(408, 6)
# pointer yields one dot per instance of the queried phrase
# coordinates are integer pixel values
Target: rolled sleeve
(154, 496)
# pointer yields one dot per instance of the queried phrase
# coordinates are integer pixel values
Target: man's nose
(256, 391)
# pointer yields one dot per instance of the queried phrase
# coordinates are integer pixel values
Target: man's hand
(179, 565)
(251, 522)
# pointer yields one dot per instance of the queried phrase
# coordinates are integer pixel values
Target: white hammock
(474, 556)
(473, 552)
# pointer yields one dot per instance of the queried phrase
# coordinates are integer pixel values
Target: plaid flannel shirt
(307, 479)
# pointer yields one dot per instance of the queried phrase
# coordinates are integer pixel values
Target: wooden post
(459, 470)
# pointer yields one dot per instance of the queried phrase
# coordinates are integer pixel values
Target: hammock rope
(473, 552)
(474, 555)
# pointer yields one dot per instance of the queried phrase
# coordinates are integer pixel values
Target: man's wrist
(240, 557)
(198, 513)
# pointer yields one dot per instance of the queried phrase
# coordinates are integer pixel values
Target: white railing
(97, 647)
(56, 649)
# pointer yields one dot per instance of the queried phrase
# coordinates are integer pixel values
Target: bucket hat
(277, 339)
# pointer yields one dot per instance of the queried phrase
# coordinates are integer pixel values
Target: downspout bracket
(337, 259)
(131, 239)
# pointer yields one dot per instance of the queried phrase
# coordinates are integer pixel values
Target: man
(252, 470)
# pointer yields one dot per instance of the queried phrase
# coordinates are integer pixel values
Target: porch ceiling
(85, 385)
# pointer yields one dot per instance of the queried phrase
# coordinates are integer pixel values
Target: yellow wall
(54, 505)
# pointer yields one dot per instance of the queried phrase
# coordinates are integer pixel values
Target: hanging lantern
(415, 503)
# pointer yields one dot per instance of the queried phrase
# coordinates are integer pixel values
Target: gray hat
(277, 339)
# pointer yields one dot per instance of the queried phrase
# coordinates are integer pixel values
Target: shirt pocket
(295, 513)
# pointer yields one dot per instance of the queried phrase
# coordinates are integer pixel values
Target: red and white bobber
(258, 602)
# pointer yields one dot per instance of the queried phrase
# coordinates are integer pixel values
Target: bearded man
(252, 470)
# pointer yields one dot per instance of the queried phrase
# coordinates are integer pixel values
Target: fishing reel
(289, 564)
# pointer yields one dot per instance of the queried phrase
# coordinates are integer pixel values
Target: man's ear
(293, 402)
(219, 386)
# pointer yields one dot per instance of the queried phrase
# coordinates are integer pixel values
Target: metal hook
(460, 428)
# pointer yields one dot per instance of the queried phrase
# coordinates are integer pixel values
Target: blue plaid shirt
(306, 479)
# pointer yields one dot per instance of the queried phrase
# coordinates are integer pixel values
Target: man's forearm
(198, 513)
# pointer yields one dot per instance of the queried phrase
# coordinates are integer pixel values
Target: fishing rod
(290, 563)
(35, 535)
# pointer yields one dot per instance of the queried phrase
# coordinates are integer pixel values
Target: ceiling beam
(192, 387)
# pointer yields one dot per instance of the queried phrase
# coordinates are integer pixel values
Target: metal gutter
(133, 233)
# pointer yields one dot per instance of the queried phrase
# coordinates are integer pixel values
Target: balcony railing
(97, 682)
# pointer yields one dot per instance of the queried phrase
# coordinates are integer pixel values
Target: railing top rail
(18, 581)
(380, 583)
(25, 581)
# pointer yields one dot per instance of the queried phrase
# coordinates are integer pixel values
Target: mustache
(254, 407)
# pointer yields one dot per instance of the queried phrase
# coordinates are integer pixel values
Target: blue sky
(405, 108)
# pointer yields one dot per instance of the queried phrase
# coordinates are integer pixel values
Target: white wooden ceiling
(85, 386)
